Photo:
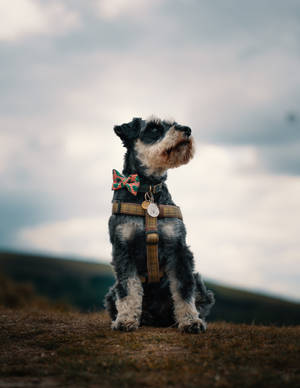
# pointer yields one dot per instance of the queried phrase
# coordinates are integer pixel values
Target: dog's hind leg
(110, 302)
(182, 287)
(204, 298)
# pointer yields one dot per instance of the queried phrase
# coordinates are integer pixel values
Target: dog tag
(153, 210)
(145, 204)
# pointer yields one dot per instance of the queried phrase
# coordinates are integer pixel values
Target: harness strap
(135, 209)
(144, 279)
(152, 236)
(152, 239)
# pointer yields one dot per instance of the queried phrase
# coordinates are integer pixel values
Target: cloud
(254, 24)
(84, 237)
(281, 159)
(53, 176)
(21, 18)
(20, 209)
(114, 9)
(233, 106)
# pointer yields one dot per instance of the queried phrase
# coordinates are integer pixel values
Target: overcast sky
(70, 70)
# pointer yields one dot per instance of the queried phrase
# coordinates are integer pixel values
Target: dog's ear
(129, 131)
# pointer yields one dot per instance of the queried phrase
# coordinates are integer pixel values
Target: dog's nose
(187, 130)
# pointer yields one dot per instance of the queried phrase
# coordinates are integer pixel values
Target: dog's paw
(125, 325)
(194, 326)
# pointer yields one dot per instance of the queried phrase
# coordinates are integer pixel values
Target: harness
(152, 237)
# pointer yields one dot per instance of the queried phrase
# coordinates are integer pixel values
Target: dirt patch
(49, 348)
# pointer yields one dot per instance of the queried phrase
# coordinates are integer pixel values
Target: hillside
(16, 295)
(79, 283)
(83, 285)
(55, 349)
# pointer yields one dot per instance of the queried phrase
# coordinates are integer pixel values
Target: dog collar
(144, 188)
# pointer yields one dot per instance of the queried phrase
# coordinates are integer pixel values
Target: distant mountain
(84, 285)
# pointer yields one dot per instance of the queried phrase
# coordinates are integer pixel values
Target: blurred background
(71, 70)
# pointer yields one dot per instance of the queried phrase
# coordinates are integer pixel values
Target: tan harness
(152, 236)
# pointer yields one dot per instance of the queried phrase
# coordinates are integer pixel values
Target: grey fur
(181, 298)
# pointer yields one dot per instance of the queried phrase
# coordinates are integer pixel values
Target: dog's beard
(174, 150)
(179, 154)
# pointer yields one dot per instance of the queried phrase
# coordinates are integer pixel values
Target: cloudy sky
(70, 70)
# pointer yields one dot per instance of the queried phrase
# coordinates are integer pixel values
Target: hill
(79, 283)
(84, 284)
(55, 349)
(15, 295)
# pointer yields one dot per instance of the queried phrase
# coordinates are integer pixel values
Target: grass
(55, 348)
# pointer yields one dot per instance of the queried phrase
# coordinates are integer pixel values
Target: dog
(179, 296)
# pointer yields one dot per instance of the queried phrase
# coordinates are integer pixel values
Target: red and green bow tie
(132, 182)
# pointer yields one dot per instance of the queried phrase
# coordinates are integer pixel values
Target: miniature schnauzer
(180, 298)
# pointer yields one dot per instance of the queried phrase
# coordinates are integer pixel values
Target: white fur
(186, 314)
(130, 307)
(168, 229)
(128, 230)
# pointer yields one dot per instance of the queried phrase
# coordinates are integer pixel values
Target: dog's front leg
(186, 314)
(129, 304)
(129, 289)
(182, 287)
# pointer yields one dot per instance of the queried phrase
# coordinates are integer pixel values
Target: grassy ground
(53, 348)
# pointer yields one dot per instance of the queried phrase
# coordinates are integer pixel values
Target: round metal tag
(145, 205)
(153, 210)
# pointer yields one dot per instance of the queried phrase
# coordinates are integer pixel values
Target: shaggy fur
(180, 298)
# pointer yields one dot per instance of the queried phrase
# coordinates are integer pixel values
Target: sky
(71, 70)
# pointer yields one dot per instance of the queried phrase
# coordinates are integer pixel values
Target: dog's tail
(204, 298)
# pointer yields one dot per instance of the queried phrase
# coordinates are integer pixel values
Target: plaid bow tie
(132, 182)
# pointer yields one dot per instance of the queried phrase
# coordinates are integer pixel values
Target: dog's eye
(152, 132)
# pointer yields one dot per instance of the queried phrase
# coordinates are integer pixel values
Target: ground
(52, 348)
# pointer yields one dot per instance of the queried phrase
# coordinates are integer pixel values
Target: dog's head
(157, 144)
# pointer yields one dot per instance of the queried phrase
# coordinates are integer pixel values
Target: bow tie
(132, 182)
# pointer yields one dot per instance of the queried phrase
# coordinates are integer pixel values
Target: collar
(145, 188)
